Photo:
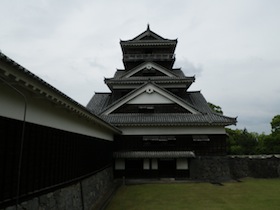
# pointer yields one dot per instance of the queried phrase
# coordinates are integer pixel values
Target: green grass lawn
(249, 194)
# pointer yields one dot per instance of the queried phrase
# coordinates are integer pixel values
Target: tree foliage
(242, 142)
(215, 108)
(275, 124)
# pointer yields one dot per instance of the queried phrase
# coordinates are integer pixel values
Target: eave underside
(168, 119)
(154, 154)
(134, 83)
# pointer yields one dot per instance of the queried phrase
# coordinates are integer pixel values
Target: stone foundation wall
(85, 194)
(209, 168)
(257, 166)
(222, 168)
(88, 193)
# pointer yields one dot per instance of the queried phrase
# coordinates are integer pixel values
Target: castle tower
(163, 124)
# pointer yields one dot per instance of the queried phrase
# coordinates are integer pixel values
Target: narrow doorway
(167, 168)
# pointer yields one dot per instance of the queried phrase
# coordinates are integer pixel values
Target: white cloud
(231, 46)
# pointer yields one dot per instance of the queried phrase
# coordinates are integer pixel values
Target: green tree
(241, 142)
(260, 149)
(275, 124)
(271, 143)
(215, 108)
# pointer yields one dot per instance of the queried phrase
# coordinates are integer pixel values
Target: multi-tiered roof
(148, 46)
(149, 91)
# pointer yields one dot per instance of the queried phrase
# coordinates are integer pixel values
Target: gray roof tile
(172, 119)
(35, 82)
(154, 154)
(178, 72)
(98, 102)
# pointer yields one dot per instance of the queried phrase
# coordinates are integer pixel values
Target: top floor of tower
(148, 46)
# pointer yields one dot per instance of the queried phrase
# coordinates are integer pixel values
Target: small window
(159, 138)
(146, 109)
(154, 164)
(151, 141)
(146, 164)
(200, 138)
(119, 164)
(182, 164)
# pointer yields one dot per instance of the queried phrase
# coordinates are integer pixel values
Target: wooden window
(159, 141)
(200, 138)
(146, 109)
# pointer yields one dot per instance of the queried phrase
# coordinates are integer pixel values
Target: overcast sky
(232, 47)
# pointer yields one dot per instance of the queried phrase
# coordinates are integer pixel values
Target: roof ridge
(222, 115)
(56, 95)
(102, 93)
(194, 91)
(121, 98)
(163, 119)
(157, 86)
(144, 64)
(149, 32)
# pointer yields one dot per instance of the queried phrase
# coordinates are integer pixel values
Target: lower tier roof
(170, 119)
(154, 154)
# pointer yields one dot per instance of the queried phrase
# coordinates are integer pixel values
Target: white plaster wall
(146, 164)
(182, 164)
(11, 103)
(119, 164)
(154, 164)
(43, 112)
(165, 85)
(149, 65)
(170, 130)
(150, 98)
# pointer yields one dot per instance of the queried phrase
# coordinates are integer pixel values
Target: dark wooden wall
(51, 158)
(215, 146)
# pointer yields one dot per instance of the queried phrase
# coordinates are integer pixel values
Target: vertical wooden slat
(51, 157)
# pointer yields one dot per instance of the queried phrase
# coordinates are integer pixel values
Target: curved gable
(149, 66)
(152, 93)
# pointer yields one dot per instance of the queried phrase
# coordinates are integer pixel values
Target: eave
(154, 154)
(149, 79)
(154, 87)
(134, 83)
(17, 75)
(168, 119)
(149, 32)
(148, 43)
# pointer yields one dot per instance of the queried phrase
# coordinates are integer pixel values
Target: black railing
(132, 57)
(51, 158)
